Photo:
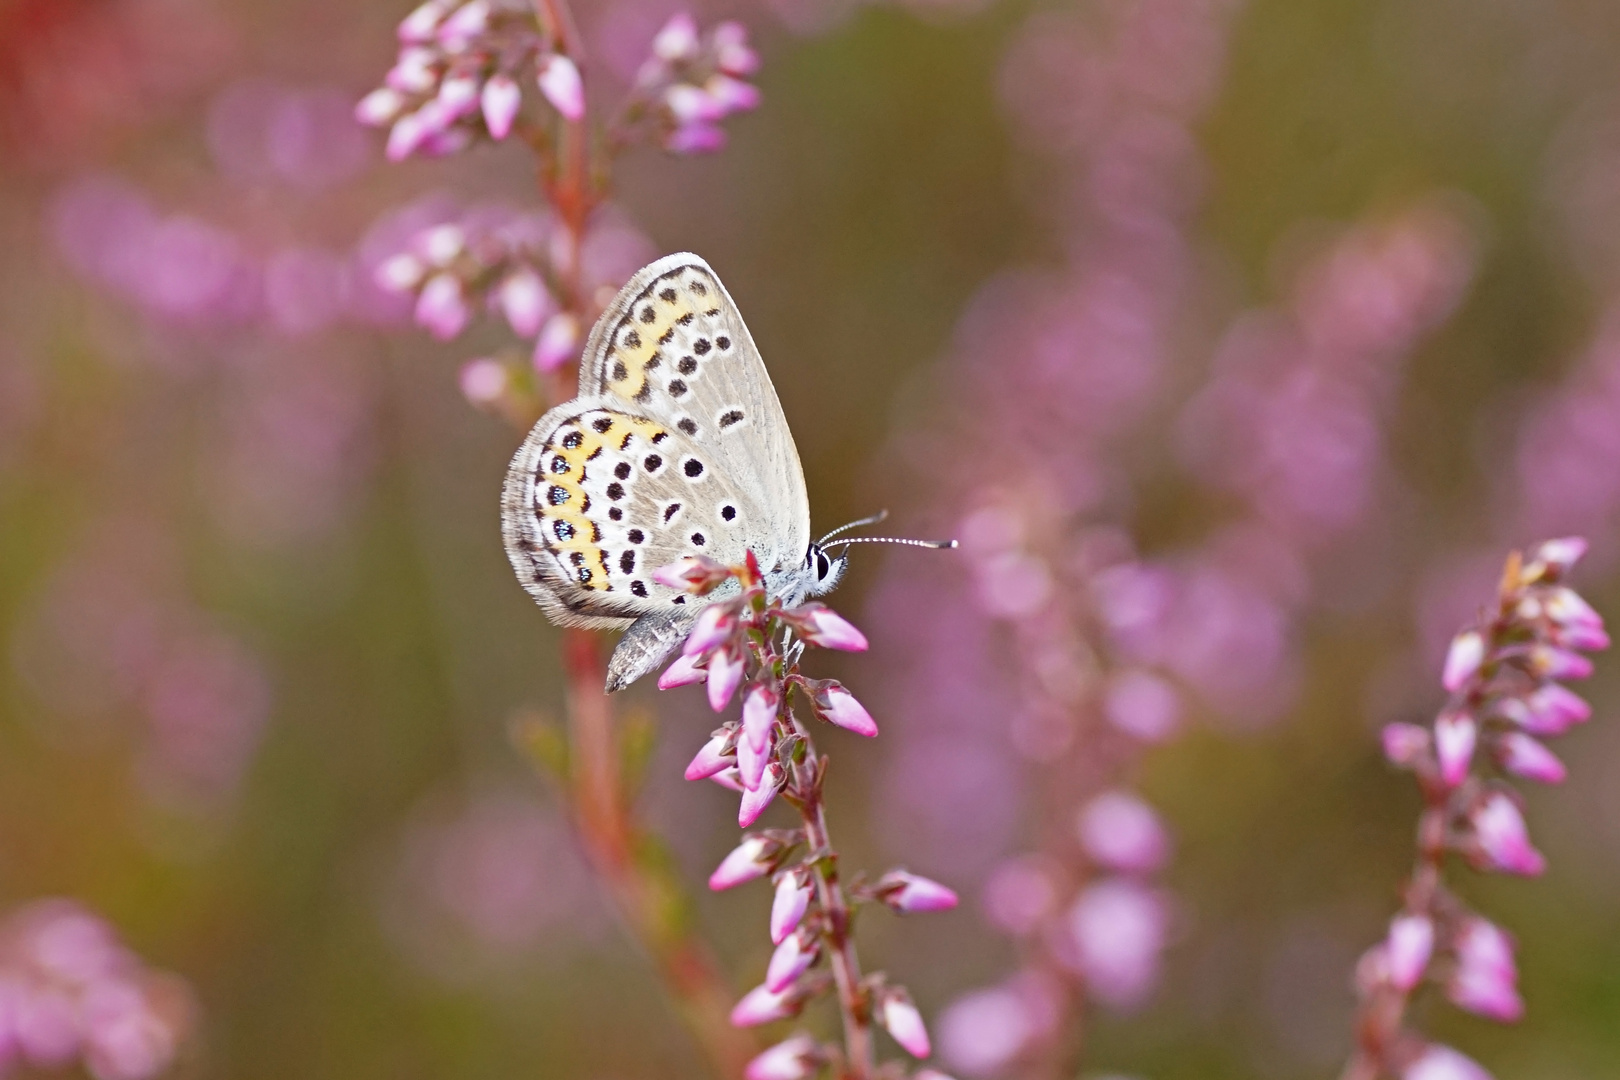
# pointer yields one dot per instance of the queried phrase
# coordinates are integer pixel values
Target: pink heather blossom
(524, 301)
(441, 244)
(761, 1006)
(984, 1031)
(558, 342)
(1443, 1063)
(46, 1026)
(791, 959)
(560, 83)
(731, 95)
(713, 628)
(792, 900)
(1404, 744)
(902, 1020)
(1454, 737)
(732, 51)
(838, 706)
(751, 762)
(1463, 659)
(458, 96)
(683, 672)
(1408, 948)
(483, 381)
(677, 41)
(1552, 710)
(827, 628)
(1568, 609)
(501, 100)
(1121, 832)
(1503, 840)
(441, 309)
(1559, 555)
(709, 760)
(725, 672)
(759, 715)
(689, 104)
(1486, 976)
(747, 861)
(1551, 663)
(418, 27)
(413, 71)
(791, 1059)
(906, 893)
(399, 273)
(469, 21)
(1117, 928)
(405, 136)
(1524, 756)
(754, 802)
(379, 107)
(695, 138)
(1143, 706)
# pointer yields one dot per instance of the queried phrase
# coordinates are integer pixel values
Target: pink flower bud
(906, 893)
(1550, 663)
(1485, 981)
(732, 53)
(793, 1059)
(1463, 659)
(469, 21)
(1549, 710)
(399, 273)
(1443, 1063)
(761, 1006)
(483, 381)
(902, 1020)
(458, 96)
(697, 138)
(838, 706)
(689, 104)
(1567, 608)
(788, 908)
(1503, 839)
(825, 627)
(523, 299)
(683, 672)
(725, 672)
(440, 308)
(1117, 929)
(1407, 949)
(405, 136)
(379, 107)
(1454, 737)
(1524, 756)
(501, 101)
(729, 780)
(558, 342)
(1559, 555)
(791, 959)
(677, 41)
(713, 628)
(754, 802)
(747, 861)
(751, 762)
(560, 83)
(441, 244)
(759, 715)
(1404, 744)
(417, 28)
(710, 760)
(414, 72)
(1121, 832)
(731, 95)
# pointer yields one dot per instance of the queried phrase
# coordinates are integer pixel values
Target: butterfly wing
(673, 347)
(676, 446)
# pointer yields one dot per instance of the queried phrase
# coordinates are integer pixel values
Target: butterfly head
(823, 571)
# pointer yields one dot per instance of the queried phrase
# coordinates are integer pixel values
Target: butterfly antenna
(881, 515)
(936, 544)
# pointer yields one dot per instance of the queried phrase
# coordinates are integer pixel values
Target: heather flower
(1117, 929)
(792, 900)
(483, 381)
(558, 342)
(902, 1020)
(791, 1059)
(1405, 744)
(1523, 756)
(1122, 832)
(1485, 978)
(1408, 948)
(712, 758)
(755, 801)
(560, 83)
(838, 706)
(1467, 652)
(1443, 1063)
(1502, 838)
(906, 892)
(761, 1006)
(747, 861)
(1454, 737)
(791, 959)
(683, 672)
(725, 672)
(820, 625)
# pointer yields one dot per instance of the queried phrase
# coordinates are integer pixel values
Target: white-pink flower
(1503, 839)
(1466, 654)
(1454, 737)
(1408, 948)
(747, 861)
(792, 900)
(902, 1020)
(560, 83)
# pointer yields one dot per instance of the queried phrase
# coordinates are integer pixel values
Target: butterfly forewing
(676, 446)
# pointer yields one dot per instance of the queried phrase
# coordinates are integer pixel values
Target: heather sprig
(1505, 679)
(750, 640)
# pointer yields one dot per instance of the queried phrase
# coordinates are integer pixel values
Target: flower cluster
(69, 990)
(457, 77)
(450, 267)
(690, 83)
(1504, 676)
(749, 639)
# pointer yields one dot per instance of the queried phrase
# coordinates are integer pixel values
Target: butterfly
(676, 446)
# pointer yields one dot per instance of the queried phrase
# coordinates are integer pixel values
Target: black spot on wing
(733, 416)
(688, 425)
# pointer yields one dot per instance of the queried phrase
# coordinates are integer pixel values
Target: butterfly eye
(822, 566)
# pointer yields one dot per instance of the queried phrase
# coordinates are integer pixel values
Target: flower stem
(808, 776)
